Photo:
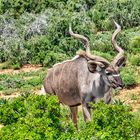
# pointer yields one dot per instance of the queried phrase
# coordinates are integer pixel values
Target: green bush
(13, 52)
(35, 81)
(12, 82)
(102, 43)
(111, 122)
(16, 8)
(128, 76)
(32, 117)
(40, 117)
(41, 51)
(135, 60)
(10, 112)
(107, 56)
(134, 46)
(124, 11)
(53, 58)
(43, 29)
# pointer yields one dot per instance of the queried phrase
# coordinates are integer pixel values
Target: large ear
(95, 66)
(92, 67)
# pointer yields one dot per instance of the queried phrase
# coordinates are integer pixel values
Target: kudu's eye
(108, 72)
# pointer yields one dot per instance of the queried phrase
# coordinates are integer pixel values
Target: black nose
(121, 85)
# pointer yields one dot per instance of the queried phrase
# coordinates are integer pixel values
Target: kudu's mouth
(117, 85)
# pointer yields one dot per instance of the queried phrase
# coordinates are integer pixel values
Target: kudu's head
(108, 71)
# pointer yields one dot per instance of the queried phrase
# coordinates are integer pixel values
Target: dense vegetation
(40, 117)
(32, 117)
(36, 32)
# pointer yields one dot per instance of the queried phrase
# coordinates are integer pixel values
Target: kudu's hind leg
(86, 113)
(74, 112)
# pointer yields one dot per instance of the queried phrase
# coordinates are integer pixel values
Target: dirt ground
(130, 97)
(26, 68)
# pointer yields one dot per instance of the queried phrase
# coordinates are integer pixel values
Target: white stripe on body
(77, 56)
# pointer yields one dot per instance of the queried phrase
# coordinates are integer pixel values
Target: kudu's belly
(67, 93)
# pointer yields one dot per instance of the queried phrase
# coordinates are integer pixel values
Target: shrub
(20, 81)
(16, 8)
(10, 112)
(53, 58)
(128, 76)
(134, 46)
(41, 51)
(106, 9)
(40, 32)
(102, 42)
(39, 117)
(135, 60)
(12, 82)
(11, 46)
(32, 117)
(111, 122)
(107, 56)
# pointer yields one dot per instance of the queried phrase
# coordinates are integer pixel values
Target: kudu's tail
(42, 91)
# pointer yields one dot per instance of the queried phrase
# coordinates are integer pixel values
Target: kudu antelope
(86, 78)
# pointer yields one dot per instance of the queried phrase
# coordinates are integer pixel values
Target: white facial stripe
(116, 75)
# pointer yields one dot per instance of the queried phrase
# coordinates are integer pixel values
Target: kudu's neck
(105, 86)
(101, 87)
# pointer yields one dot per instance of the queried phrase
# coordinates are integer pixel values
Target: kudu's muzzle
(117, 82)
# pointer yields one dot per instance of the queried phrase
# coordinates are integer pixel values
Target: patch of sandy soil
(25, 68)
(17, 94)
(130, 97)
(14, 95)
(1, 126)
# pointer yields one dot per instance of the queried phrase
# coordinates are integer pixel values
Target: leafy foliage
(111, 122)
(128, 76)
(125, 11)
(32, 117)
(23, 81)
(16, 8)
(40, 117)
(36, 31)
(135, 60)
(134, 46)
